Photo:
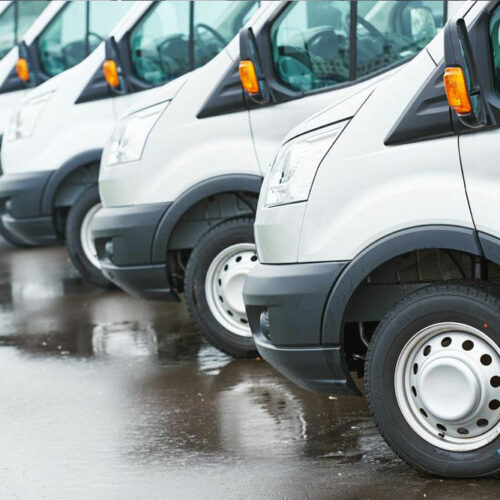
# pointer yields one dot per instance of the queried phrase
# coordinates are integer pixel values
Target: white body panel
(374, 190)
(10, 101)
(479, 154)
(80, 127)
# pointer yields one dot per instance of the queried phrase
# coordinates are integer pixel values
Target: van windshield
(15, 21)
(322, 44)
(76, 31)
(177, 37)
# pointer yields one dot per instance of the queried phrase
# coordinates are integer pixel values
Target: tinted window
(7, 30)
(27, 12)
(66, 41)
(311, 46)
(10, 29)
(160, 43)
(389, 32)
(216, 24)
(495, 45)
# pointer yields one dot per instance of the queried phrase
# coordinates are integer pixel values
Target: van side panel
(379, 190)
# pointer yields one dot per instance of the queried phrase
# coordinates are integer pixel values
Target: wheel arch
(205, 189)
(451, 238)
(58, 178)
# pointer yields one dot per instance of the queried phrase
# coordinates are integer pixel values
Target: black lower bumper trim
(124, 239)
(316, 369)
(20, 207)
(146, 282)
(285, 306)
(34, 231)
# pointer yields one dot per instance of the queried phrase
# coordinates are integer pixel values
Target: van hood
(340, 109)
(158, 94)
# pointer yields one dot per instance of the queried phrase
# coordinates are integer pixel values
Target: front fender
(209, 187)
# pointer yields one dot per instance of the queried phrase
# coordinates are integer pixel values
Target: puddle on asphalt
(111, 396)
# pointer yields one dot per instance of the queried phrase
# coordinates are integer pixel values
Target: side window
(310, 42)
(160, 43)
(392, 31)
(7, 30)
(27, 12)
(495, 46)
(65, 42)
(215, 24)
(103, 16)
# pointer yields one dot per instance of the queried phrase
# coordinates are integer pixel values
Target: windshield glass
(15, 21)
(76, 31)
(165, 44)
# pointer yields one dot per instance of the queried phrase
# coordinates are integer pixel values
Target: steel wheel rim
(447, 383)
(86, 239)
(224, 287)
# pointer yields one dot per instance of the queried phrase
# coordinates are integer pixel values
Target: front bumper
(21, 207)
(285, 305)
(124, 242)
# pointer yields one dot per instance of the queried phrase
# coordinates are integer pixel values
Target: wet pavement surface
(104, 396)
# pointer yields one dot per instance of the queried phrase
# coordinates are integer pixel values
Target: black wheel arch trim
(208, 187)
(398, 243)
(59, 175)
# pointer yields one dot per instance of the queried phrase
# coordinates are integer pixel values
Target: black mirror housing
(250, 52)
(458, 53)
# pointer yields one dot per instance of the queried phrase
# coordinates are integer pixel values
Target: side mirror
(112, 68)
(251, 75)
(23, 65)
(460, 78)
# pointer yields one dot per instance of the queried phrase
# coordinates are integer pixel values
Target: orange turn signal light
(111, 73)
(248, 77)
(22, 69)
(456, 90)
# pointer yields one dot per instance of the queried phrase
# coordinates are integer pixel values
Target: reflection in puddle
(124, 340)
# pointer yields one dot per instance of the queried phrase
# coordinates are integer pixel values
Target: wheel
(11, 238)
(215, 276)
(432, 380)
(79, 240)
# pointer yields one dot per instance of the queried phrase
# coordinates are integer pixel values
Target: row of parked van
(139, 135)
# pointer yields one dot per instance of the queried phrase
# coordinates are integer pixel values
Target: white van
(61, 37)
(53, 148)
(16, 19)
(180, 178)
(379, 246)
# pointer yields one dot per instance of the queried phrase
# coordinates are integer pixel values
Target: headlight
(129, 138)
(293, 171)
(23, 121)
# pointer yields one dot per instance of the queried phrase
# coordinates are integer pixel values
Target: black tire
(210, 245)
(88, 271)
(11, 238)
(472, 304)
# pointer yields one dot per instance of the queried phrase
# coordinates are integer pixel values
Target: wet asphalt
(105, 396)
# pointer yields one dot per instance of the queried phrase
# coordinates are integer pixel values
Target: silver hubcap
(86, 236)
(224, 287)
(447, 383)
